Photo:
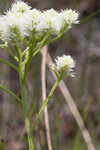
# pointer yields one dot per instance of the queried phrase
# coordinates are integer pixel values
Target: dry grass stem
(43, 80)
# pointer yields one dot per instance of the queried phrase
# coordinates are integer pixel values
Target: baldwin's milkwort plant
(21, 26)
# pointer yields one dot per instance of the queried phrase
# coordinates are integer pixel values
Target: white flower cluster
(20, 6)
(22, 19)
(65, 64)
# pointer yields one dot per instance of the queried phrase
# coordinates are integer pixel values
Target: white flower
(64, 63)
(15, 20)
(20, 6)
(70, 16)
(22, 20)
(3, 28)
(18, 17)
(54, 21)
(50, 20)
(35, 16)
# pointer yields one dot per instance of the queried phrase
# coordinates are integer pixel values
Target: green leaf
(9, 64)
(10, 92)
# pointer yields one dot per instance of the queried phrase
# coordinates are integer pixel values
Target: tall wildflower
(28, 31)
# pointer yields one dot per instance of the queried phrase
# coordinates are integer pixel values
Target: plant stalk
(24, 105)
(49, 96)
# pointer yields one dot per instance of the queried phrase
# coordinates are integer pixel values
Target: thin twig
(69, 100)
(43, 80)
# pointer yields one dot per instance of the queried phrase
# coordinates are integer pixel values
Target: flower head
(70, 16)
(20, 6)
(50, 20)
(15, 21)
(36, 18)
(54, 21)
(64, 64)
(22, 20)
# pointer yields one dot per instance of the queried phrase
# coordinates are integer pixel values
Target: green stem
(45, 102)
(30, 139)
(49, 96)
(9, 64)
(27, 121)
(10, 52)
(35, 52)
(10, 93)
(18, 51)
(59, 35)
(56, 38)
(44, 42)
(24, 106)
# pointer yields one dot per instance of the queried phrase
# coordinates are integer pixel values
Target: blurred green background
(82, 42)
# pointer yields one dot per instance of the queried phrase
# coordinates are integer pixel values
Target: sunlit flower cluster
(20, 6)
(21, 19)
(64, 64)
